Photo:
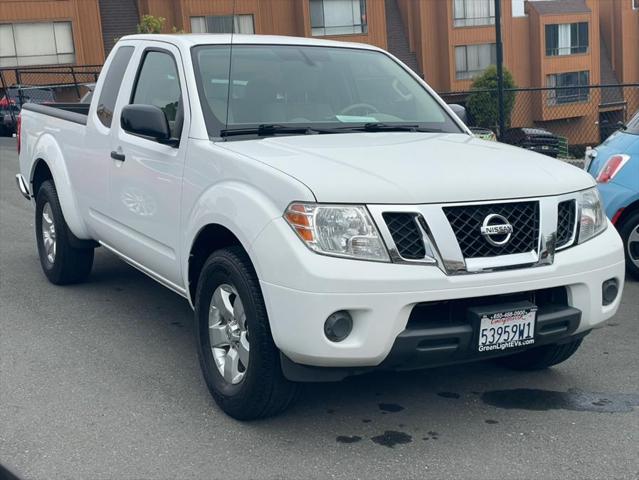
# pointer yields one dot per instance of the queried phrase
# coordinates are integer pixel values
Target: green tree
(151, 24)
(482, 102)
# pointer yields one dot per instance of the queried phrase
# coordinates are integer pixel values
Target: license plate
(508, 329)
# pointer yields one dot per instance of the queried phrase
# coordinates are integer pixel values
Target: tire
(62, 263)
(629, 231)
(257, 388)
(541, 357)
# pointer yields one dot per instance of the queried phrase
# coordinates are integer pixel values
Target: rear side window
(158, 84)
(112, 83)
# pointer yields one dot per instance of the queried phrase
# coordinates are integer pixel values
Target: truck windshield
(318, 89)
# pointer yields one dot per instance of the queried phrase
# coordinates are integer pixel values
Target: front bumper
(301, 289)
(431, 345)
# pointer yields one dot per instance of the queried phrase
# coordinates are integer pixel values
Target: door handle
(120, 157)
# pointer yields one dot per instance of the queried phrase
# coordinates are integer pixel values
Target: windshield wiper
(266, 130)
(387, 127)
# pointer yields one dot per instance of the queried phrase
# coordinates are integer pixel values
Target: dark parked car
(12, 101)
(535, 139)
(8, 112)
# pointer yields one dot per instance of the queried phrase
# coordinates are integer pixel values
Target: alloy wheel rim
(633, 246)
(48, 233)
(228, 334)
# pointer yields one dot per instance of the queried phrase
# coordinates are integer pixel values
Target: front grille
(406, 234)
(466, 222)
(566, 216)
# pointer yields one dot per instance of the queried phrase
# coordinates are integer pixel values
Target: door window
(112, 83)
(158, 84)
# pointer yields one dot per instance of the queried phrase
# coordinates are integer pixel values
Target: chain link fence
(66, 84)
(577, 117)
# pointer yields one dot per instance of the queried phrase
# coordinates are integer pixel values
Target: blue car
(615, 166)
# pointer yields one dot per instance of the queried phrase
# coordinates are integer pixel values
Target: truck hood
(408, 167)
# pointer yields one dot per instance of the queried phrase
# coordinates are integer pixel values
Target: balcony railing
(468, 74)
(574, 50)
(474, 21)
(566, 95)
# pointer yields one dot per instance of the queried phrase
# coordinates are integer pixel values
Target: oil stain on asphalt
(449, 395)
(348, 439)
(390, 438)
(390, 407)
(573, 399)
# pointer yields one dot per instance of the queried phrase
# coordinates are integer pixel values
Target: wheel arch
(224, 214)
(627, 212)
(211, 237)
(49, 164)
(40, 174)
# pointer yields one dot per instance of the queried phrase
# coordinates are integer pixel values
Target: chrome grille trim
(442, 247)
(567, 227)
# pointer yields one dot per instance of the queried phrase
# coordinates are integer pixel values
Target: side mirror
(459, 110)
(146, 120)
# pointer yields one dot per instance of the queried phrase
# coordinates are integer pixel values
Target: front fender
(240, 207)
(46, 149)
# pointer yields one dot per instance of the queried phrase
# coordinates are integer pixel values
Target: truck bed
(71, 112)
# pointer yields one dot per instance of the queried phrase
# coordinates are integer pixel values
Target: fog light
(609, 291)
(338, 326)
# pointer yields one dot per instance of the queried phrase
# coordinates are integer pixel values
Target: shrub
(151, 24)
(483, 106)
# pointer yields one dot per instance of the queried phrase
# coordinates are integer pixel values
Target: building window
(338, 17)
(223, 24)
(42, 43)
(635, 4)
(569, 91)
(472, 60)
(474, 13)
(566, 39)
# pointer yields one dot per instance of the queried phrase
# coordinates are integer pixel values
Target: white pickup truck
(322, 210)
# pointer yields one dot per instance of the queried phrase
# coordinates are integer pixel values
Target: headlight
(593, 219)
(339, 230)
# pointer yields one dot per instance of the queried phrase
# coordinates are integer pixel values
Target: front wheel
(239, 360)
(629, 232)
(540, 358)
(61, 262)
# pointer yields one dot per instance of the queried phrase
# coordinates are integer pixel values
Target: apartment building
(547, 43)
(560, 43)
(50, 32)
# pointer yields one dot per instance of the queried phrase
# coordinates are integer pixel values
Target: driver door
(146, 176)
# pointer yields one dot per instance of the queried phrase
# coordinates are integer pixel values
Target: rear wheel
(239, 360)
(61, 262)
(540, 357)
(629, 232)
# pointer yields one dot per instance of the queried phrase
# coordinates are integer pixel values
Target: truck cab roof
(191, 39)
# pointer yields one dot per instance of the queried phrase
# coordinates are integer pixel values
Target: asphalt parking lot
(101, 381)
